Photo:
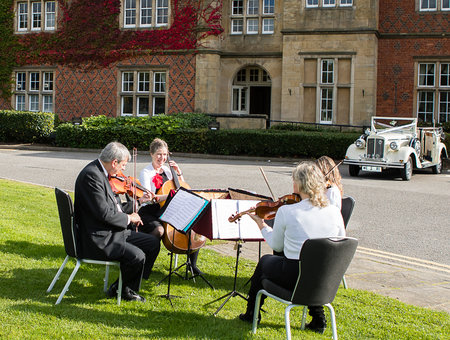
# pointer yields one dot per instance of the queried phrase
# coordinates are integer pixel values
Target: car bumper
(383, 165)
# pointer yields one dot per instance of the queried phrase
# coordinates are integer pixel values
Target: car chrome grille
(375, 148)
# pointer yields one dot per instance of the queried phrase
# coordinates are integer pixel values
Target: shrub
(26, 127)
(266, 143)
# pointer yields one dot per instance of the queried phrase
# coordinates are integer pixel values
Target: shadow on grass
(32, 250)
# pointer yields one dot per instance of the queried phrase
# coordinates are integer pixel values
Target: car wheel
(437, 169)
(407, 171)
(353, 170)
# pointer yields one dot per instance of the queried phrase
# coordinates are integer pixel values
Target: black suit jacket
(102, 226)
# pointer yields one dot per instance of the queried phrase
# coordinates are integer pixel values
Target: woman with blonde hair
(312, 217)
(334, 190)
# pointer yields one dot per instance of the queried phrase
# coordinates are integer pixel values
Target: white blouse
(295, 223)
(147, 174)
(334, 196)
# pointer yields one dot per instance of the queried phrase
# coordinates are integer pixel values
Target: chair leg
(305, 311)
(52, 284)
(256, 311)
(344, 282)
(69, 281)
(119, 288)
(333, 321)
(287, 321)
(105, 280)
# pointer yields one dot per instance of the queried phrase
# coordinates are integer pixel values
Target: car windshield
(386, 124)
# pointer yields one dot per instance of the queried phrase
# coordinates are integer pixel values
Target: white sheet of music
(182, 209)
(244, 228)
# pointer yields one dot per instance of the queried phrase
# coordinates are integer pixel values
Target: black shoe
(130, 295)
(318, 327)
(112, 291)
(248, 317)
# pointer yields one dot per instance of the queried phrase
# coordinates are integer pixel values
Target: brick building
(414, 59)
(323, 61)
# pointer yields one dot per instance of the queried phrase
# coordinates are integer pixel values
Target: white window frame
(137, 85)
(426, 101)
(447, 74)
(329, 73)
(346, 3)
(446, 104)
(237, 7)
(159, 11)
(50, 15)
(312, 3)
(245, 12)
(162, 13)
(142, 16)
(329, 111)
(329, 3)
(36, 16)
(433, 96)
(428, 5)
(129, 12)
(426, 75)
(253, 6)
(33, 90)
(242, 99)
(22, 17)
(268, 7)
(447, 5)
(237, 26)
(251, 26)
(265, 27)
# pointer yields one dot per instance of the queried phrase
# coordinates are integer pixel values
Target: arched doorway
(251, 91)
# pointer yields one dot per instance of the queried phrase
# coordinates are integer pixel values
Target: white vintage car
(397, 143)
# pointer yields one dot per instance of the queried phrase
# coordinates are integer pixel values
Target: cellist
(153, 177)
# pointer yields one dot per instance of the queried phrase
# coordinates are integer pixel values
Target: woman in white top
(152, 177)
(332, 175)
(312, 217)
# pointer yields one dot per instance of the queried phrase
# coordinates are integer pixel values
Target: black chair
(323, 262)
(348, 203)
(69, 233)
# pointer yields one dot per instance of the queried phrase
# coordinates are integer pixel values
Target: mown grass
(31, 251)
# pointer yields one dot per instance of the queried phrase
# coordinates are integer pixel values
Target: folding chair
(348, 203)
(70, 236)
(323, 262)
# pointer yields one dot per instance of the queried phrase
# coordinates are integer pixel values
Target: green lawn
(31, 251)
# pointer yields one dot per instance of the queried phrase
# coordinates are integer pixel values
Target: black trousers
(141, 251)
(280, 270)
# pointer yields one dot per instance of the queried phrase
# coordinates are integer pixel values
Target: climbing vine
(88, 34)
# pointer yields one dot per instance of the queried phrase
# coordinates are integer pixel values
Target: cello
(174, 240)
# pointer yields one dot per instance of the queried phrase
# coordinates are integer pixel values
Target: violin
(268, 209)
(122, 184)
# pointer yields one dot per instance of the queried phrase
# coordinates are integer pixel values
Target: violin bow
(334, 167)
(267, 182)
(134, 186)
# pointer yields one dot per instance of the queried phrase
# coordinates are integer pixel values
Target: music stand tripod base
(234, 292)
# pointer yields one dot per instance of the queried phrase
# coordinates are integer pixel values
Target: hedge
(265, 143)
(26, 127)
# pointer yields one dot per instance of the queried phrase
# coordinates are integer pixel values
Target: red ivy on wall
(89, 35)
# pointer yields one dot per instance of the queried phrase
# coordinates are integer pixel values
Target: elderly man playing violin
(103, 222)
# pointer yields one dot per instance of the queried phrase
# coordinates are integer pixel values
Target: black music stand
(189, 266)
(234, 292)
(168, 296)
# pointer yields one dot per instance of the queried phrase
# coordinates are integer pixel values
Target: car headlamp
(360, 143)
(394, 146)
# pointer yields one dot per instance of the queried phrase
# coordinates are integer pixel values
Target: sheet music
(183, 209)
(244, 228)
